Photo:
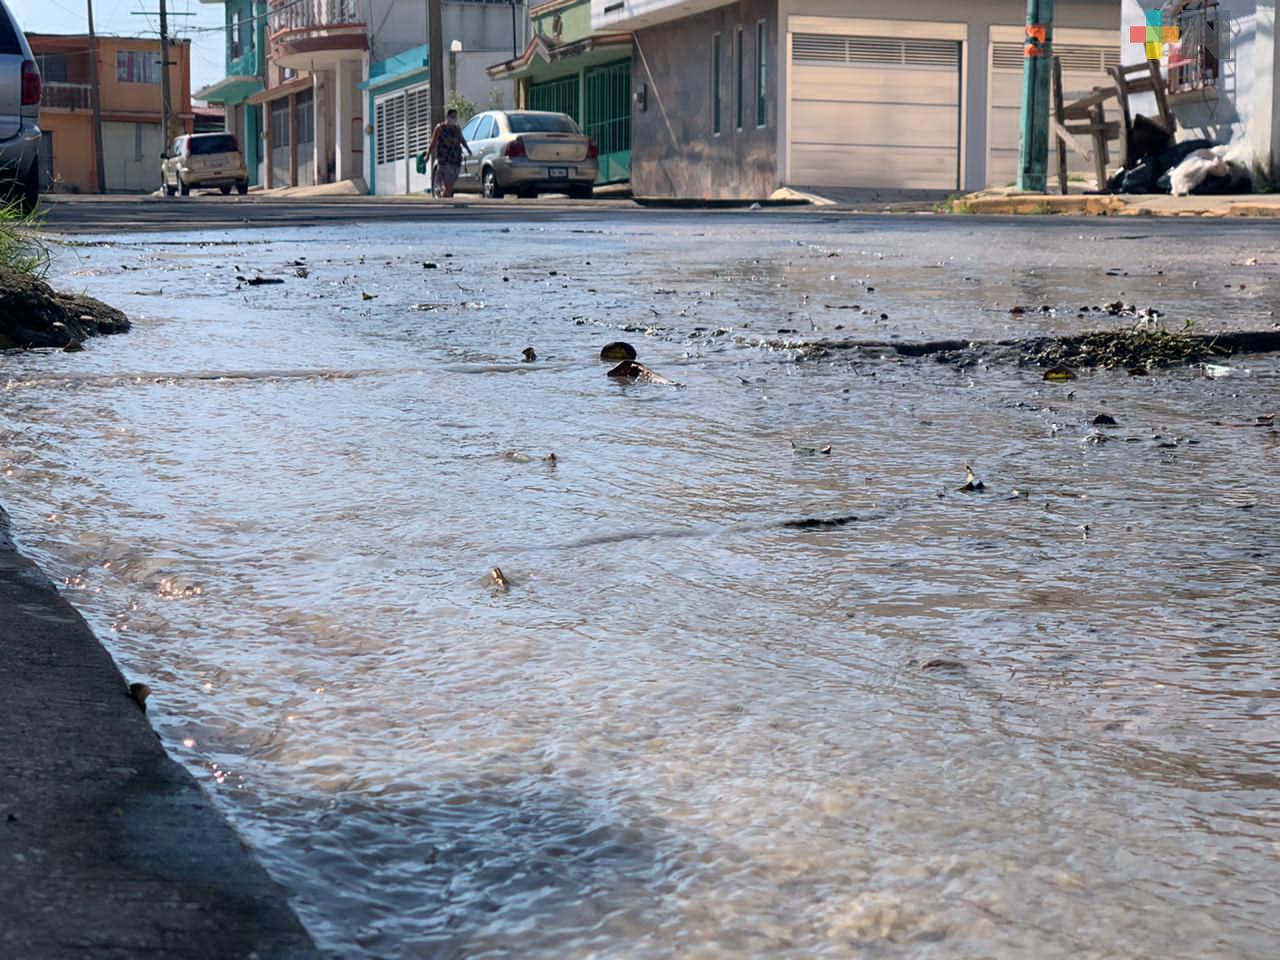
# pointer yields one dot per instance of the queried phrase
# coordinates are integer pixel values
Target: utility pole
(435, 61)
(164, 78)
(100, 166)
(514, 52)
(1033, 145)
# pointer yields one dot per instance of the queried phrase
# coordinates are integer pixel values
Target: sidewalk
(109, 848)
(1118, 205)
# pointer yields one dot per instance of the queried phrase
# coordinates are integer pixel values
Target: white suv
(204, 160)
(19, 116)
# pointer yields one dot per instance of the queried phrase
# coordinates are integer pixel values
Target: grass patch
(22, 248)
(956, 203)
(1146, 344)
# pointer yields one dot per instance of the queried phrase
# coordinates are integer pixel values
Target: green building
(246, 68)
(567, 69)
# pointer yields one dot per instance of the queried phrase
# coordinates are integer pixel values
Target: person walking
(445, 149)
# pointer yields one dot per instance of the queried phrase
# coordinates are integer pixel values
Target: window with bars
(304, 117)
(137, 66)
(762, 106)
(1195, 58)
(715, 84)
(739, 86)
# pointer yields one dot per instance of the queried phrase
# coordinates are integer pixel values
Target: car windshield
(224, 143)
(541, 123)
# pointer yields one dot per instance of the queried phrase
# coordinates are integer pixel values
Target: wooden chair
(1134, 79)
(1087, 117)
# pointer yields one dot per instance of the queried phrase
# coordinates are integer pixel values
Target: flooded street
(1038, 720)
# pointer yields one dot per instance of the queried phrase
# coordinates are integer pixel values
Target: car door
(483, 147)
(12, 55)
(467, 177)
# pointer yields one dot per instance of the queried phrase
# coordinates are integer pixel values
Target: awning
(540, 48)
(296, 85)
(229, 89)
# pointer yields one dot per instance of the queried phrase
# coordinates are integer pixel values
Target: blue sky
(208, 50)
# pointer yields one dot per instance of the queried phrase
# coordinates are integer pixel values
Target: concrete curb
(109, 848)
(1118, 205)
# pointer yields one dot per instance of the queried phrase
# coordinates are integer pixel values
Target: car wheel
(492, 189)
(225, 188)
(583, 192)
(242, 187)
(183, 187)
(168, 190)
(31, 189)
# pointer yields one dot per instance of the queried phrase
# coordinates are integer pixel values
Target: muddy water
(1037, 721)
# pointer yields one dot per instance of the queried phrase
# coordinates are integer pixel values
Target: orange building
(129, 82)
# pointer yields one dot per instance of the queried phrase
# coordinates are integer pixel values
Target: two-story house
(568, 69)
(130, 101)
(246, 26)
(736, 100)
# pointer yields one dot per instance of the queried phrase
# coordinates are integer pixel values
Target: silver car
(204, 160)
(19, 115)
(527, 152)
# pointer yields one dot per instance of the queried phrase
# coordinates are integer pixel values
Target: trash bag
(1148, 138)
(1140, 178)
(1172, 158)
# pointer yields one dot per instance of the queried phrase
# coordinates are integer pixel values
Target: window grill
(828, 49)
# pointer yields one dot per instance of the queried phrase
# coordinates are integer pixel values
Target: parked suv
(204, 160)
(19, 116)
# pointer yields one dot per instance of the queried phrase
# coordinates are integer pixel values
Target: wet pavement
(741, 696)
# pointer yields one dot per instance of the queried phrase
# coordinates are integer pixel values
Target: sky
(208, 46)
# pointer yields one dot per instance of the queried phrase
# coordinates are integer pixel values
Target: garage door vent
(825, 49)
(1076, 58)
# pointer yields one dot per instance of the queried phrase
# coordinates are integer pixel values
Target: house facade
(310, 82)
(130, 101)
(246, 65)
(733, 101)
(1222, 70)
(397, 84)
(568, 69)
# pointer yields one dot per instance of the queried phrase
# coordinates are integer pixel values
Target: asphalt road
(149, 214)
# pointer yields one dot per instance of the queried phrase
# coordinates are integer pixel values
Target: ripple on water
(1003, 725)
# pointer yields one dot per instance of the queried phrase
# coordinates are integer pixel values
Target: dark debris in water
(1136, 349)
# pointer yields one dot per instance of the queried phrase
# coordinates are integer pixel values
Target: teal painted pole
(1033, 145)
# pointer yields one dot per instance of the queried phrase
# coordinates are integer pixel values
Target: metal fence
(608, 106)
(559, 96)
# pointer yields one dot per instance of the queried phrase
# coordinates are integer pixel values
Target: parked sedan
(527, 152)
(204, 160)
(19, 115)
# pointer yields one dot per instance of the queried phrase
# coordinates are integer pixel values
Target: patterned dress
(449, 144)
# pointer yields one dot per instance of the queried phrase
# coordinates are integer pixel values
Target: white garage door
(401, 130)
(1084, 66)
(878, 112)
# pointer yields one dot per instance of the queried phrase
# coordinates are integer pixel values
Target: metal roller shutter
(1084, 66)
(878, 112)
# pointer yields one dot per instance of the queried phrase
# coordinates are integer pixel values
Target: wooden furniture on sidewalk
(1134, 79)
(1085, 117)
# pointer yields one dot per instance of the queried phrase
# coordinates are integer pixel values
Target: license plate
(558, 173)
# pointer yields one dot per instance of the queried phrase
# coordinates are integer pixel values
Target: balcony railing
(65, 96)
(312, 15)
